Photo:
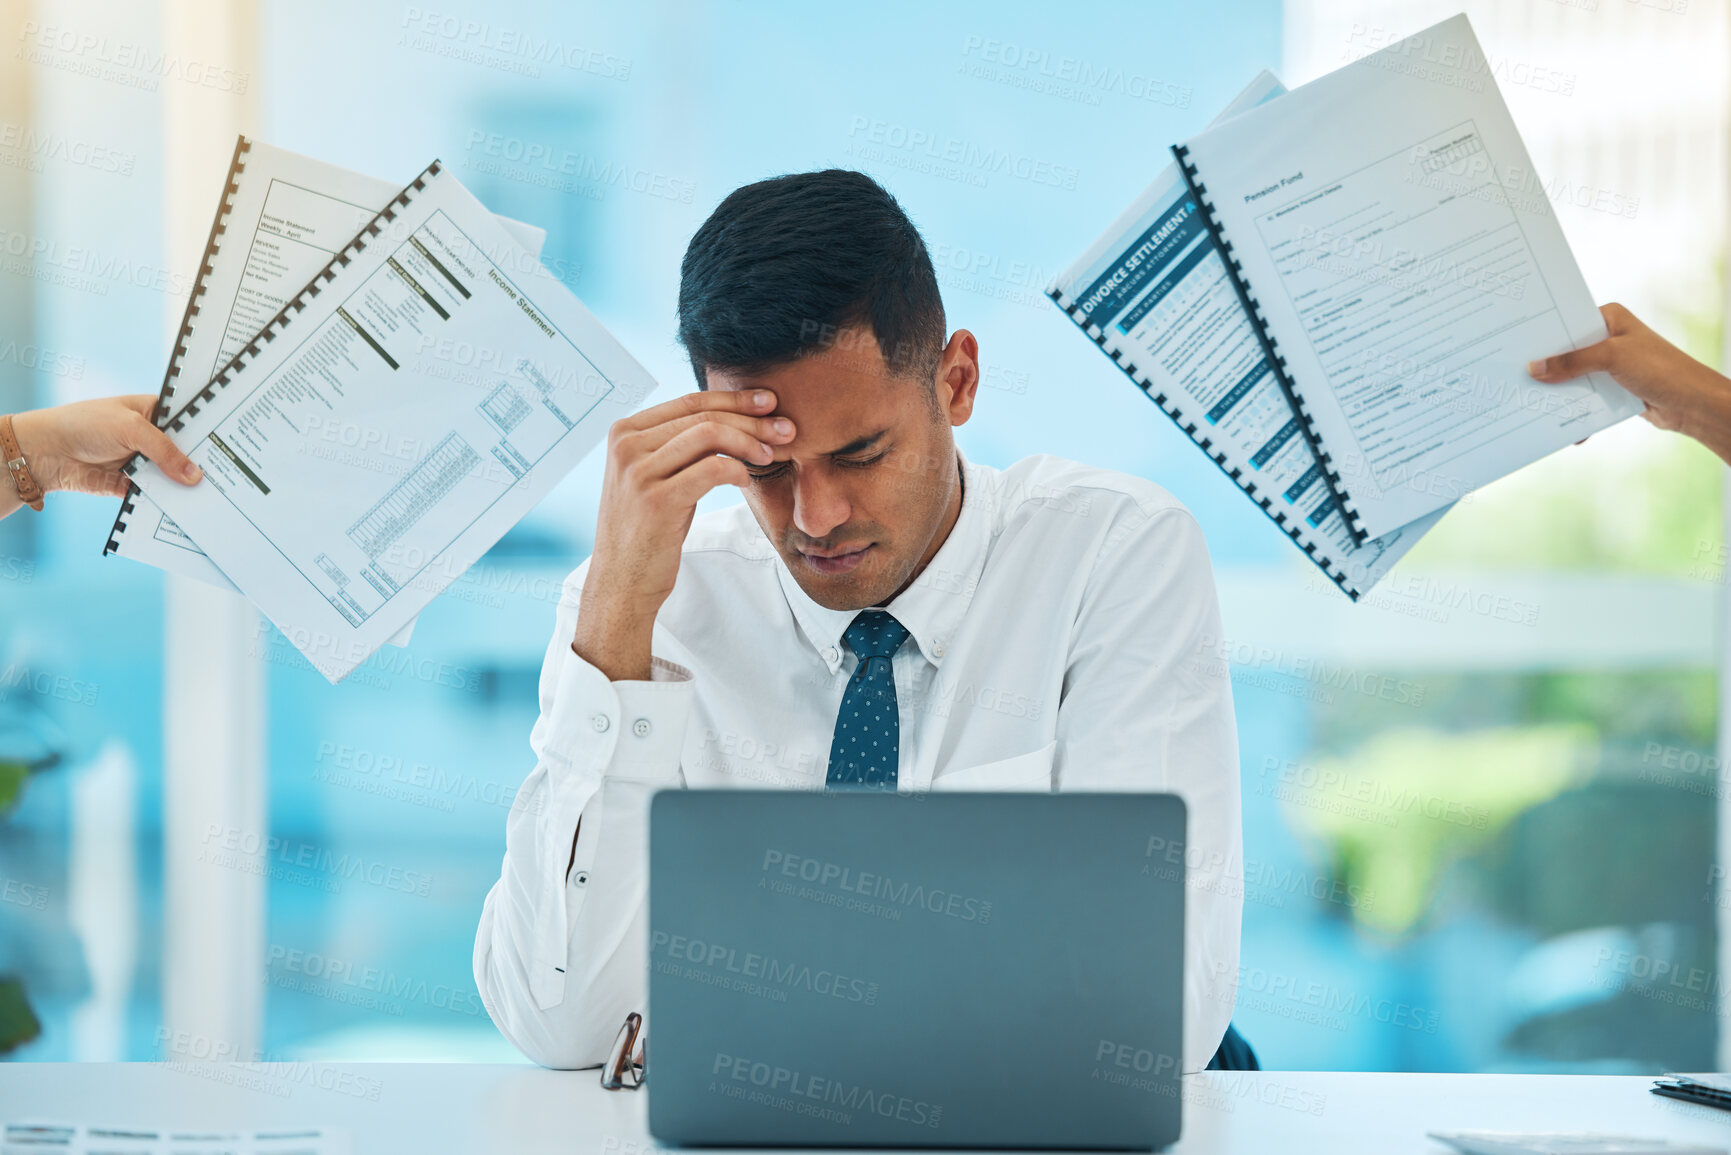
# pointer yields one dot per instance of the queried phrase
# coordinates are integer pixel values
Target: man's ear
(958, 377)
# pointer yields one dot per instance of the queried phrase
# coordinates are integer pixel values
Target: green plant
(1390, 816)
(18, 1023)
(12, 776)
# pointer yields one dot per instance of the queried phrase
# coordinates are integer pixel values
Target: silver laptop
(866, 969)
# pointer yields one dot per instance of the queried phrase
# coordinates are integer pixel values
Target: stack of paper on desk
(45, 1138)
(1335, 293)
(369, 432)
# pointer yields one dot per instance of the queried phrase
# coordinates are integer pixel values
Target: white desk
(430, 1108)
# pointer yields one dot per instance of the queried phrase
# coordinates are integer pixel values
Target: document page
(1154, 292)
(340, 541)
(1408, 265)
(289, 215)
(59, 1138)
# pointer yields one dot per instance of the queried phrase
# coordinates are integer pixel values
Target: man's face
(867, 490)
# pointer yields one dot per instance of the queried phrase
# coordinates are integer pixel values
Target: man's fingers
(701, 441)
(753, 401)
(1566, 366)
(643, 442)
(144, 437)
(690, 484)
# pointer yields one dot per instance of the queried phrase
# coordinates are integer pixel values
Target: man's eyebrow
(858, 444)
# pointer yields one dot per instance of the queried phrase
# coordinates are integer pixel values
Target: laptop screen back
(937, 970)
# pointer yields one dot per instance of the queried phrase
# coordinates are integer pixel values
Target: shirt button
(831, 655)
(600, 722)
(641, 727)
(581, 878)
(938, 649)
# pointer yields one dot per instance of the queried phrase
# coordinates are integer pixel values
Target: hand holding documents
(1342, 318)
(342, 541)
(280, 219)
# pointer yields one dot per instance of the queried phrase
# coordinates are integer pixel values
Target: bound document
(341, 541)
(1347, 340)
(1401, 265)
(279, 220)
(1154, 293)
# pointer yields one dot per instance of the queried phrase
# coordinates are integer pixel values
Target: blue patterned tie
(868, 731)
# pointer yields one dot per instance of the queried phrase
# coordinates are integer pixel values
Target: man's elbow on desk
(564, 1036)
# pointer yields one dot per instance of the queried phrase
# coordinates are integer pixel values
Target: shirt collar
(934, 605)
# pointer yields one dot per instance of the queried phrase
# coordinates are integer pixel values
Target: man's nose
(819, 503)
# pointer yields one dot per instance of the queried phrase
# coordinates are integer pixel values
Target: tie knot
(875, 634)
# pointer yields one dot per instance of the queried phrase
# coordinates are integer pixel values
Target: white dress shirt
(1062, 638)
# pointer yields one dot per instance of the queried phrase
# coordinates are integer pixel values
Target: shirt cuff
(630, 729)
(652, 718)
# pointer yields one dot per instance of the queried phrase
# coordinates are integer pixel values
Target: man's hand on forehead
(660, 464)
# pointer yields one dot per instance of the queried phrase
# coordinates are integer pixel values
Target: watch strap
(28, 490)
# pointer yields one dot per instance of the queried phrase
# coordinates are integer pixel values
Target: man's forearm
(615, 638)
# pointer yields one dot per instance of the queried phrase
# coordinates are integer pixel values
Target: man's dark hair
(787, 266)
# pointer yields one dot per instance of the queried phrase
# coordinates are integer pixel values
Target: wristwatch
(28, 490)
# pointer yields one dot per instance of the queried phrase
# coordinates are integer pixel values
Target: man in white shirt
(879, 612)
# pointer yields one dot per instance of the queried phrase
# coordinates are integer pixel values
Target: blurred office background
(1481, 809)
